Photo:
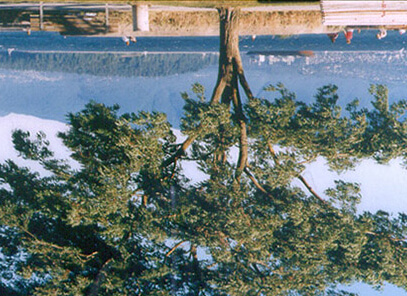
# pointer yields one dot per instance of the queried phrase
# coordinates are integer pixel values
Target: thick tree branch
(243, 141)
(219, 89)
(180, 152)
(100, 277)
(242, 78)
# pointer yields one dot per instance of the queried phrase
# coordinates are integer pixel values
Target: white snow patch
(12, 122)
(382, 186)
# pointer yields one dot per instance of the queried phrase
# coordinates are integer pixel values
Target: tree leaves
(112, 217)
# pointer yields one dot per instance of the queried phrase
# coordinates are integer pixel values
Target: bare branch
(309, 160)
(387, 236)
(174, 248)
(303, 181)
(301, 178)
(257, 184)
(211, 265)
(47, 244)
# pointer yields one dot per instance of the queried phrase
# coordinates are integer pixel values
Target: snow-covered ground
(13, 121)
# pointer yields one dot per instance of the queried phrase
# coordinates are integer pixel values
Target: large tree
(123, 218)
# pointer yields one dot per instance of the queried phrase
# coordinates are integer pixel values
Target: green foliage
(120, 222)
(77, 222)
(320, 129)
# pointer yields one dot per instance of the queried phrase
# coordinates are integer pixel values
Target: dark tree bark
(100, 277)
(229, 75)
(228, 50)
(226, 90)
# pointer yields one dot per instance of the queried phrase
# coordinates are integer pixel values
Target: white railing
(364, 13)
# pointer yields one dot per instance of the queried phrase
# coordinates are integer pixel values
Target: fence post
(41, 16)
(140, 16)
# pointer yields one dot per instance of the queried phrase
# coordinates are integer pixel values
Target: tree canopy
(127, 219)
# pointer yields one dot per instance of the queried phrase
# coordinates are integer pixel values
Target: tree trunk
(100, 277)
(228, 50)
(226, 90)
